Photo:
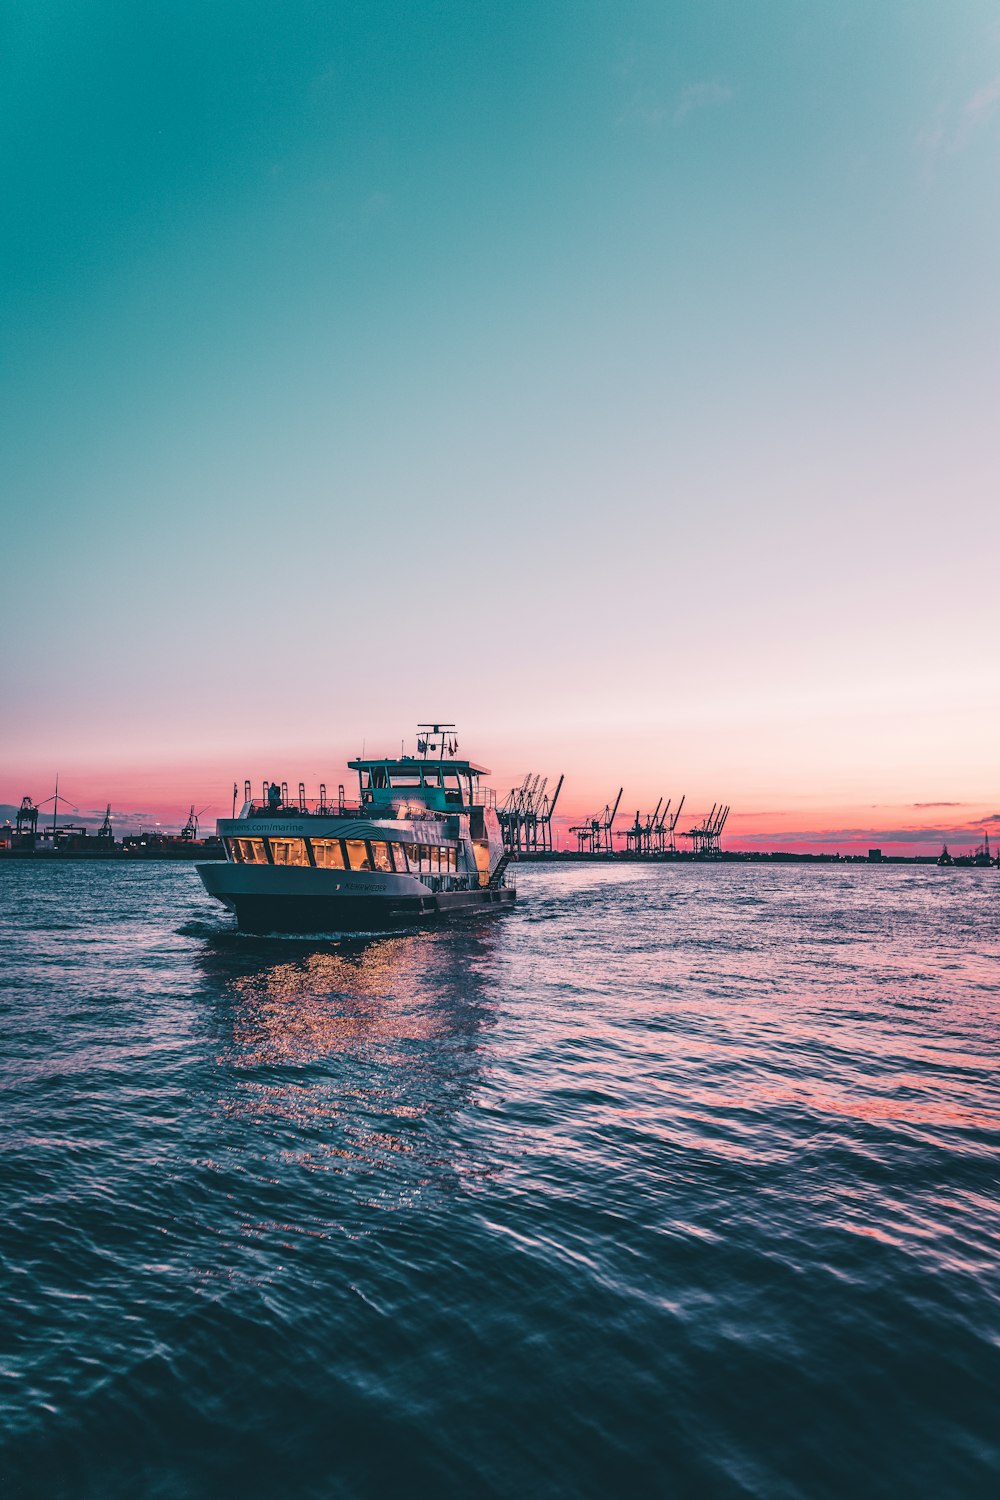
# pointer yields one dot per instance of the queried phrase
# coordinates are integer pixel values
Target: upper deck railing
(379, 797)
(306, 807)
(313, 808)
(381, 805)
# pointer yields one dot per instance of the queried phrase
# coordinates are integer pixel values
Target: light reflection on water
(350, 1044)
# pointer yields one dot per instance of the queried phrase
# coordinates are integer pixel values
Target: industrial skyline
(532, 823)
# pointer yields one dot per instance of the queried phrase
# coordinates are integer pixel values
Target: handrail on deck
(319, 807)
(309, 807)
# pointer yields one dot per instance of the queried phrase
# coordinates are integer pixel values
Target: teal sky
(545, 367)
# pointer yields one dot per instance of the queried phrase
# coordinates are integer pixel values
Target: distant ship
(424, 841)
(980, 859)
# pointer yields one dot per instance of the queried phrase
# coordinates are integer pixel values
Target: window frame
(332, 843)
(290, 839)
(362, 844)
(383, 844)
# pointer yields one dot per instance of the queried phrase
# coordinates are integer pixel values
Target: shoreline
(117, 855)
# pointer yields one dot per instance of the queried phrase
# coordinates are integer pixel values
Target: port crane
(596, 835)
(526, 816)
(659, 839)
(672, 826)
(706, 837)
(640, 837)
(27, 818)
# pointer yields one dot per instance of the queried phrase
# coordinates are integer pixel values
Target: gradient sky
(619, 380)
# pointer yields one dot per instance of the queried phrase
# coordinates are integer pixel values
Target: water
(673, 1182)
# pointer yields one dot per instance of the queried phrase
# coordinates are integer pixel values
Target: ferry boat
(423, 841)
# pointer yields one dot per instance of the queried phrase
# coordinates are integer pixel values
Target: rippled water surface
(673, 1181)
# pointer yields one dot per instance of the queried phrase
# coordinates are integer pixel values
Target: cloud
(701, 96)
(646, 109)
(643, 109)
(939, 804)
(768, 812)
(953, 129)
(981, 106)
(866, 836)
(91, 818)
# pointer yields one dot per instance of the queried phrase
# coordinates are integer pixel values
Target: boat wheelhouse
(422, 841)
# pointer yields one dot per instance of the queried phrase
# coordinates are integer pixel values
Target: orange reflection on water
(329, 1001)
(340, 1053)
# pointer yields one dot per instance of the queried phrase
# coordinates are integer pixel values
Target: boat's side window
(482, 849)
(380, 856)
(357, 854)
(399, 858)
(328, 854)
(289, 851)
(249, 851)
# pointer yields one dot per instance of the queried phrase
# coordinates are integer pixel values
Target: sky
(616, 380)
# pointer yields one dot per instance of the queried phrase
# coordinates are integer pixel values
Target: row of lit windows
(347, 854)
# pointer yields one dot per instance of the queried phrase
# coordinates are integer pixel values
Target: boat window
(380, 856)
(399, 858)
(249, 851)
(452, 859)
(289, 851)
(328, 854)
(357, 854)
